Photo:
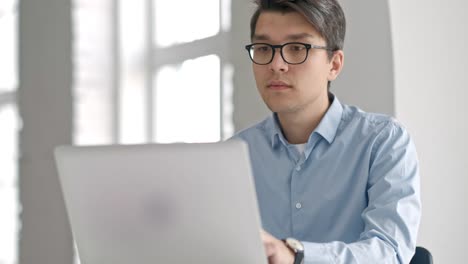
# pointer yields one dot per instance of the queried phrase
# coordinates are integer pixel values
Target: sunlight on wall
(9, 205)
(9, 124)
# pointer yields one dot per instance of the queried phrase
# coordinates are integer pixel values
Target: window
(175, 76)
(155, 72)
(9, 123)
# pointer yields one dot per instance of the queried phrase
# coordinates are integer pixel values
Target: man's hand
(277, 252)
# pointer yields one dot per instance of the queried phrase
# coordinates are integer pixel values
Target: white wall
(367, 77)
(248, 106)
(44, 99)
(431, 63)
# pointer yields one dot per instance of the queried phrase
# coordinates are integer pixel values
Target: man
(338, 184)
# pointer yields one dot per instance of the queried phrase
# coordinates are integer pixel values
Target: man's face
(288, 88)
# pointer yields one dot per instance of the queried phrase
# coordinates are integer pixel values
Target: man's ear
(336, 64)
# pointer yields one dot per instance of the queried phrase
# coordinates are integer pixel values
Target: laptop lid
(162, 203)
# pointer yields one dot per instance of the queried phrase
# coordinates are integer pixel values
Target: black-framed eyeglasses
(291, 52)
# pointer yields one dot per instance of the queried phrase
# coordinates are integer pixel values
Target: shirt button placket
(296, 173)
(295, 186)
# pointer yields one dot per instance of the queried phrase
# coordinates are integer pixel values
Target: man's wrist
(289, 250)
(297, 249)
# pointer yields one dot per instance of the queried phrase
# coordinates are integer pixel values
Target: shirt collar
(327, 127)
(276, 133)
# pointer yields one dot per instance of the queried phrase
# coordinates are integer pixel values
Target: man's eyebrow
(261, 37)
(289, 37)
(300, 36)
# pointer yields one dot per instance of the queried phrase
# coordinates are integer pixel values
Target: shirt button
(298, 205)
(298, 167)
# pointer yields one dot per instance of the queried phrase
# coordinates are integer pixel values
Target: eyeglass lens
(292, 53)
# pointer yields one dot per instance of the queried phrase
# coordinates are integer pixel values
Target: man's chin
(281, 109)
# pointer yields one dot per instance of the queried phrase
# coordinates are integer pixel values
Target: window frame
(7, 98)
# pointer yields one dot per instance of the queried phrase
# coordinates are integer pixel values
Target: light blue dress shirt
(353, 196)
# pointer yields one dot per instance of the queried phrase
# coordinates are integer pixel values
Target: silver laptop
(162, 203)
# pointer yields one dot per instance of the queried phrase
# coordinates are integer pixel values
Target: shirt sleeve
(394, 207)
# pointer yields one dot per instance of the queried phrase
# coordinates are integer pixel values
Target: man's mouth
(278, 85)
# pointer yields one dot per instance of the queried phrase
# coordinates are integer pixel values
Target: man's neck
(297, 126)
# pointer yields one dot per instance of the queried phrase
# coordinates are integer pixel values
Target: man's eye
(262, 49)
(296, 47)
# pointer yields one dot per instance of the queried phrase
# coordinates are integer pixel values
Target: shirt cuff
(317, 253)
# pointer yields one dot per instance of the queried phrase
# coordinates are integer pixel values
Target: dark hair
(326, 16)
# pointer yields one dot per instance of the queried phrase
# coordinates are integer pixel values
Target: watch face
(295, 244)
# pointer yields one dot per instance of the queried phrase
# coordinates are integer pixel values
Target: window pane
(185, 20)
(226, 15)
(132, 79)
(93, 90)
(227, 102)
(9, 206)
(187, 101)
(8, 46)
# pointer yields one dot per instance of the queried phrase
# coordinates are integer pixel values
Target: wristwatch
(297, 247)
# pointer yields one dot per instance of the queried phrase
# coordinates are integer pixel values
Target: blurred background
(135, 71)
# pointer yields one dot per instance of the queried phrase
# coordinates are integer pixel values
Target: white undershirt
(300, 148)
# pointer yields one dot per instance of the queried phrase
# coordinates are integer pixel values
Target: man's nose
(278, 64)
